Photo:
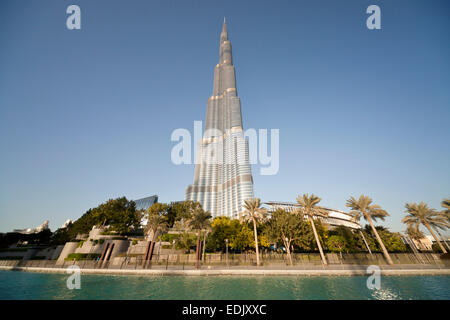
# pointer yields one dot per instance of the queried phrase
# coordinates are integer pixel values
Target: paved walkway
(335, 270)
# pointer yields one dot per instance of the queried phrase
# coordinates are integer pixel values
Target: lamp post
(226, 243)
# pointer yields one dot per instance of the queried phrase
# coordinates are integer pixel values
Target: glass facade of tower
(223, 178)
(145, 203)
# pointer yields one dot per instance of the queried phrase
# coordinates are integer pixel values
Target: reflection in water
(385, 294)
(23, 285)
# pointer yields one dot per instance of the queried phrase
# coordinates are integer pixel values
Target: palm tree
(156, 223)
(370, 212)
(413, 232)
(356, 218)
(308, 207)
(254, 213)
(198, 220)
(430, 218)
(446, 213)
(446, 205)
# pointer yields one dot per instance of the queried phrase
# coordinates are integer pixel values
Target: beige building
(424, 244)
(335, 217)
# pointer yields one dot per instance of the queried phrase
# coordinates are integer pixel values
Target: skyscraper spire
(223, 178)
(224, 34)
(224, 27)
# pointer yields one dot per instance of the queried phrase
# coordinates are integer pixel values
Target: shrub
(435, 247)
(117, 238)
(337, 243)
(98, 241)
(169, 237)
(82, 256)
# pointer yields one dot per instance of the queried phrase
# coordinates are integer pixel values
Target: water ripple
(23, 285)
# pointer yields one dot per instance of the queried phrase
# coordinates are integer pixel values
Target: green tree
(337, 244)
(353, 242)
(198, 221)
(414, 233)
(179, 211)
(308, 206)
(366, 233)
(288, 229)
(393, 241)
(255, 214)
(430, 218)
(120, 214)
(156, 216)
(60, 236)
(243, 239)
(222, 228)
(185, 241)
(370, 212)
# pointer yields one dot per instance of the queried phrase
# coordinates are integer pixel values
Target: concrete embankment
(243, 272)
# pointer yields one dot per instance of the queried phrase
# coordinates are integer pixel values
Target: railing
(220, 261)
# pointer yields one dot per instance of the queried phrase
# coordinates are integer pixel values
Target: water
(24, 285)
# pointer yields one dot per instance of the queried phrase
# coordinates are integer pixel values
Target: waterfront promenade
(333, 270)
(244, 265)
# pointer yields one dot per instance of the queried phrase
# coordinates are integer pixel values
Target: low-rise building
(335, 217)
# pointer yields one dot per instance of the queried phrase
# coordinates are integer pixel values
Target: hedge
(82, 256)
(169, 237)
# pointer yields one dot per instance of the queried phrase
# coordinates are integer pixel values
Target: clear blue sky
(87, 115)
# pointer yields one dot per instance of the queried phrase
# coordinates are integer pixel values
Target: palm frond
(199, 218)
(446, 204)
(363, 205)
(308, 205)
(253, 211)
(425, 215)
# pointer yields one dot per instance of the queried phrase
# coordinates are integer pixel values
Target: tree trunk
(288, 251)
(434, 236)
(414, 249)
(365, 242)
(197, 250)
(204, 245)
(324, 260)
(256, 242)
(383, 248)
(150, 250)
(443, 239)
